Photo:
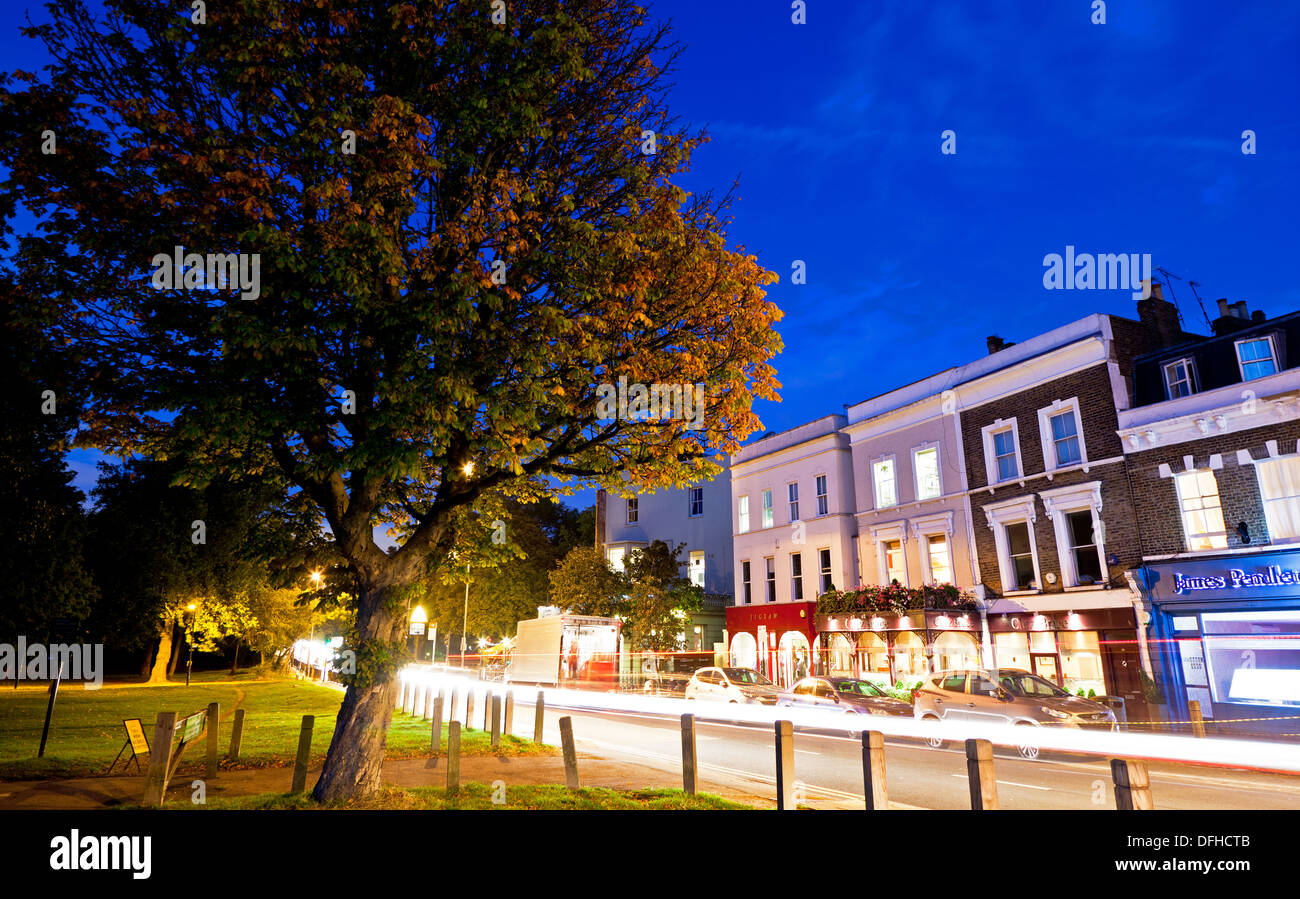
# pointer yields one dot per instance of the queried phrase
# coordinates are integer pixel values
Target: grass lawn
(86, 730)
(477, 796)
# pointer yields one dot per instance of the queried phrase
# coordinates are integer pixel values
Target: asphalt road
(830, 767)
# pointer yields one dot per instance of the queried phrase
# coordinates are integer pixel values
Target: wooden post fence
(570, 753)
(304, 754)
(873, 771)
(979, 771)
(237, 734)
(214, 731)
(785, 766)
(689, 766)
(1132, 785)
(160, 756)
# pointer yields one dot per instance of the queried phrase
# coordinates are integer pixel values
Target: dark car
(848, 694)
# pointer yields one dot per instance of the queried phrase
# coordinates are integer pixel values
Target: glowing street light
(316, 578)
(468, 469)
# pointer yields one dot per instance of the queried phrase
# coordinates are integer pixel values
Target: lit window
(770, 562)
(1198, 499)
(1256, 357)
(823, 505)
(1279, 485)
(768, 516)
(895, 565)
(824, 561)
(794, 502)
(616, 558)
(1020, 554)
(696, 501)
(796, 576)
(697, 568)
(742, 519)
(925, 463)
(1065, 438)
(882, 473)
(1178, 379)
(744, 581)
(631, 510)
(1083, 547)
(940, 559)
(1004, 454)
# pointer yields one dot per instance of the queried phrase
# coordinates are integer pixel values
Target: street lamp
(189, 642)
(419, 622)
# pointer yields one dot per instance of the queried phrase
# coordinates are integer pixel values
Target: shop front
(893, 649)
(777, 640)
(1092, 652)
(1227, 632)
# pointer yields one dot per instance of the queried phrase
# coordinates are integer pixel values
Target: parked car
(732, 685)
(1006, 697)
(848, 694)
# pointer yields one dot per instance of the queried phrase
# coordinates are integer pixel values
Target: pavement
(85, 793)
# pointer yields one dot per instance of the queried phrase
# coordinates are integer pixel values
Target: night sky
(1115, 138)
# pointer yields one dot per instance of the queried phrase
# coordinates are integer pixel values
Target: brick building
(1054, 524)
(1211, 451)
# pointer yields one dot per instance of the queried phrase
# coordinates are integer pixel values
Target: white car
(732, 685)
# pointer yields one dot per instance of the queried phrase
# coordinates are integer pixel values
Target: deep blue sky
(1123, 137)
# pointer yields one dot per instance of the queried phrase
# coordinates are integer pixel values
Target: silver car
(1006, 696)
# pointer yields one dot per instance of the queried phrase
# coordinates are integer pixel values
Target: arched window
(873, 658)
(744, 651)
(841, 659)
(909, 657)
(956, 649)
(794, 659)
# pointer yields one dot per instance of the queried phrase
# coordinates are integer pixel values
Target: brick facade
(1098, 424)
(1156, 497)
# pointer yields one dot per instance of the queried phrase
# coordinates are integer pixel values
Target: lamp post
(419, 622)
(189, 642)
(464, 633)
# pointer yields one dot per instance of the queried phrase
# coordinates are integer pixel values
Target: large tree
(464, 227)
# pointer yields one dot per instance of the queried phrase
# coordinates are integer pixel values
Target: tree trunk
(158, 675)
(356, 754)
(146, 660)
(176, 653)
(234, 663)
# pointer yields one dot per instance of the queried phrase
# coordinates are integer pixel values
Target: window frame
(796, 577)
(1265, 502)
(691, 567)
(1182, 513)
(769, 578)
(1273, 355)
(792, 496)
(633, 510)
(892, 461)
(1065, 501)
(821, 482)
(742, 514)
(1021, 510)
(988, 432)
(746, 582)
(1189, 363)
(1045, 416)
(916, 471)
(691, 495)
(767, 508)
(825, 574)
(939, 525)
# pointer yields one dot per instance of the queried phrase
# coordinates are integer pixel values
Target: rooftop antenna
(1193, 285)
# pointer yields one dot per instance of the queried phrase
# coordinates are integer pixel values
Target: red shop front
(777, 639)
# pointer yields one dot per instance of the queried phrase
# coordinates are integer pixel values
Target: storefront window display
(909, 657)
(793, 659)
(1253, 657)
(873, 658)
(1011, 650)
(841, 656)
(744, 651)
(1081, 662)
(956, 650)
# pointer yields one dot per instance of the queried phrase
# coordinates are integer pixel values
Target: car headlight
(1054, 713)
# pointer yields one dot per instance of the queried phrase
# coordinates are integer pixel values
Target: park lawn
(86, 731)
(477, 796)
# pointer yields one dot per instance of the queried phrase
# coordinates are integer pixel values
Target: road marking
(1012, 783)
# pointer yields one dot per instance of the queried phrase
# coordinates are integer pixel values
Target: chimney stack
(1160, 316)
(1233, 317)
(996, 344)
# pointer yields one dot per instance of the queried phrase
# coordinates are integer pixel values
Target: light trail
(1255, 755)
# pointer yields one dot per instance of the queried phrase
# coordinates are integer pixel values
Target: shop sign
(1236, 579)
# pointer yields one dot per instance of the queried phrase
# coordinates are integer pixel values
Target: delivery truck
(566, 650)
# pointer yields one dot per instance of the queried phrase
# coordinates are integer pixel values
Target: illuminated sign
(1236, 578)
